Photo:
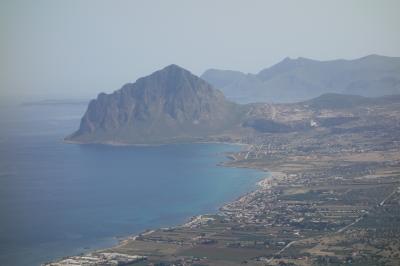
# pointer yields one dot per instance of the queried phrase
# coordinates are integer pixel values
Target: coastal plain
(333, 196)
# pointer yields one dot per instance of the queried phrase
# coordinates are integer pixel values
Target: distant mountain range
(300, 79)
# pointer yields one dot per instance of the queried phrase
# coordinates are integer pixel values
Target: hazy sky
(78, 48)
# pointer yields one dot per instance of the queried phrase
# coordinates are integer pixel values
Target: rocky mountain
(167, 106)
(300, 79)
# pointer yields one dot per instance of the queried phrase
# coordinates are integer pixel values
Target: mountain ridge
(293, 80)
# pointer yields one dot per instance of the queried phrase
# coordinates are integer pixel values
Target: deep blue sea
(60, 199)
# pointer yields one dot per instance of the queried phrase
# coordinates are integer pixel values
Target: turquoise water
(61, 199)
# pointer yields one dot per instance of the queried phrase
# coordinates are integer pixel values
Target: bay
(60, 199)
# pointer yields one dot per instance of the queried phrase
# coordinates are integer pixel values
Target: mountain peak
(173, 67)
(170, 79)
(171, 103)
(173, 70)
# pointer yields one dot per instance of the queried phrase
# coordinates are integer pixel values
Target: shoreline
(228, 229)
(190, 221)
(261, 184)
(125, 144)
(122, 240)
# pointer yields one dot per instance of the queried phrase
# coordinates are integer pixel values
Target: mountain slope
(300, 79)
(169, 105)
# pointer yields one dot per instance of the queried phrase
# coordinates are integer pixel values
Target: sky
(75, 49)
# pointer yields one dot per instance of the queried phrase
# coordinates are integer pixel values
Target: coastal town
(330, 196)
(101, 259)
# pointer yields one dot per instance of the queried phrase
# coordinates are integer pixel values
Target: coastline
(280, 217)
(191, 222)
(262, 184)
(126, 144)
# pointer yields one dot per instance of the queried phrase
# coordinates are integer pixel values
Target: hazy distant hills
(169, 105)
(300, 79)
(336, 101)
(56, 102)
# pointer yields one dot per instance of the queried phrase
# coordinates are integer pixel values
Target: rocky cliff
(169, 105)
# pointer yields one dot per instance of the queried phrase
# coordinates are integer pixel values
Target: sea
(59, 199)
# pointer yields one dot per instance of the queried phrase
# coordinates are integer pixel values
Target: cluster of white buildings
(98, 259)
